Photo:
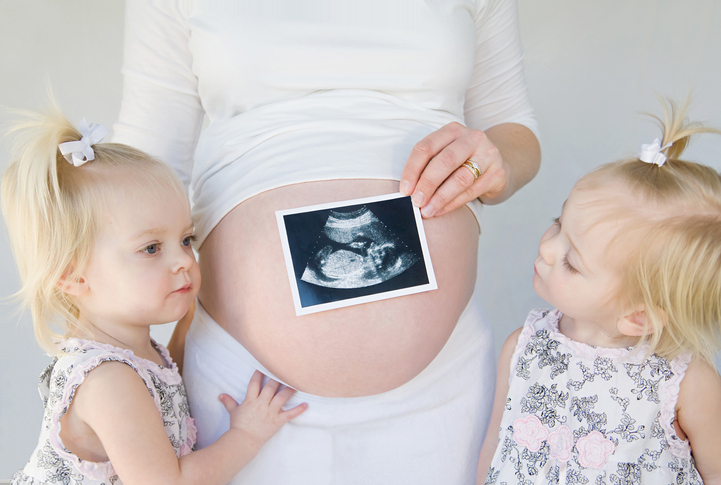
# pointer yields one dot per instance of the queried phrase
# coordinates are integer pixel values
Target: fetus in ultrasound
(355, 250)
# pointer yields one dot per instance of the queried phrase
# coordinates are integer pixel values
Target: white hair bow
(81, 151)
(652, 153)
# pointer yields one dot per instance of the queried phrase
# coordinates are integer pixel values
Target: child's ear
(73, 286)
(637, 324)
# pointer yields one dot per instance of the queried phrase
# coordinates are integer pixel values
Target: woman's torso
(311, 102)
(357, 350)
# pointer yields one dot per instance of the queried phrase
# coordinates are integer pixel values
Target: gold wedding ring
(474, 168)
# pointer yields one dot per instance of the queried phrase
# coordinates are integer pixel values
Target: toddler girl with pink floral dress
(617, 384)
(102, 237)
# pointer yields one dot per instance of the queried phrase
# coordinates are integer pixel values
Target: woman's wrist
(521, 154)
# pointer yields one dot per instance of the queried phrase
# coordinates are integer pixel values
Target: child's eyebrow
(153, 231)
(147, 232)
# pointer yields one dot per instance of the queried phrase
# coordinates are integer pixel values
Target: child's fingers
(281, 397)
(228, 402)
(293, 412)
(269, 390)
(279, 401)
(256, 381)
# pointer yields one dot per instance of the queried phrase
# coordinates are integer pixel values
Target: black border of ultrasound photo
(388, 221)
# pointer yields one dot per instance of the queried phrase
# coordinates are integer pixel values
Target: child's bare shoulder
(112, 378)
(698, 415)
(509, 347)
(701, 379)
(699, 395)
(512, 339)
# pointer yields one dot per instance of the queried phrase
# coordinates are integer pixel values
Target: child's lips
(184, 289)
(535, 269)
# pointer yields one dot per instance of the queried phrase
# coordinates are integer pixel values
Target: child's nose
(184, 259)
(546, 248)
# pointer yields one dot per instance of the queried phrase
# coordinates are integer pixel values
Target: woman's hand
(507, 155)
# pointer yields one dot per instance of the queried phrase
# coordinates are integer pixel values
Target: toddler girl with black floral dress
(102, 237)
(617, 384)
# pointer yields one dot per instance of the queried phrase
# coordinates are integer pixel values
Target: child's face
(142, 270)
(578, 269)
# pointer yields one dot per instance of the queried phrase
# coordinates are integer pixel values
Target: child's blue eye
(151, 249)
(187, 241)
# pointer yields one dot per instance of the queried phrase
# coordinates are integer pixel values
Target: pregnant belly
(353, 351)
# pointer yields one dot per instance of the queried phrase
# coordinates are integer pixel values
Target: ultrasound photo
(353, 252)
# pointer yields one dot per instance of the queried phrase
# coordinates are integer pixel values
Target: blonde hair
(675, 271)
(53, 209)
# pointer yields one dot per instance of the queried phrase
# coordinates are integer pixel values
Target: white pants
(428, 431)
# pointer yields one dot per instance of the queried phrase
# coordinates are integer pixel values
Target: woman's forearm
(520, 149)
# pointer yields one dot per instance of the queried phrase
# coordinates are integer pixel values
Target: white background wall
(591, 67)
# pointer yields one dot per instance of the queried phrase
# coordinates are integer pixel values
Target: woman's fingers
(443, 168)
(422, 154)
(457, 186)
(444, 183)
(490, 184)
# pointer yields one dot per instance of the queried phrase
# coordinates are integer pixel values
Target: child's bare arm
(499, 404)
(699, 415)
(117, 406)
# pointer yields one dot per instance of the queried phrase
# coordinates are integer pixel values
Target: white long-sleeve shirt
(302, 90)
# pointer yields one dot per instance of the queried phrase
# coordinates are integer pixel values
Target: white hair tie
(652, 153)
(81, 151)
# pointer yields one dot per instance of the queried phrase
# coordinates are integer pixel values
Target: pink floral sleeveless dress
(577, 414)
(51, 462)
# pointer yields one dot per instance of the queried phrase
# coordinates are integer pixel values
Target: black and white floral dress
(51, 462)
(577, 414)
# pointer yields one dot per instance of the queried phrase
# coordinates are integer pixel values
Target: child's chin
(180, 313)
(539, 291)
(538, 286)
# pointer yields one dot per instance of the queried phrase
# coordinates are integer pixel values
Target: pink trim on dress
(669, 397)
(168, 372)
(624, 354)
(191, 437)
